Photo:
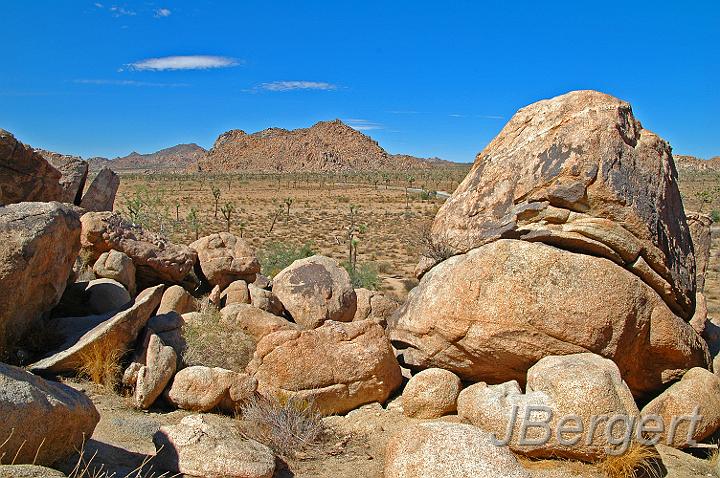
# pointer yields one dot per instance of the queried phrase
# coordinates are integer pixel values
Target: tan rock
(581, 386)
(265, 300)
(29, 471)
(431, 393)
(579, 172)
(374, 306)
(700, 231)
(338, 366)
(130, 375)
(24, 175)
(214, 296)
(154, 377)
(224, 258)
(73, 174)
(314, 290)
(100, 195)
(38, 416)
(202, 389)
(117, 266)
(236, 293)
(177, 299)
(448, 450)
(699, 388)
(38, 246)
(156, 260)
(110, 333)
(253, 321)
(492, 313)
(207, 446)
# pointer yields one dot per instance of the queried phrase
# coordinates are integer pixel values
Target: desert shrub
(286, 424)
(638, 460)
(363, 275)
(101, 365)
(276, 256)
(428, 195)
(715, 214)
(213, 344)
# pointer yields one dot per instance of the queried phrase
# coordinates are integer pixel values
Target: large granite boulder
(100, 195)
(565, 392)
(25, 176)
(156, 260)
(448, 450)
(73, 173)
(38, 246)
(105, 334)
(314, 290)
(579, 172)
(492, 313)
(224, 258)
(38, 416)
(202, 389)
(337, 367)
(253, 321)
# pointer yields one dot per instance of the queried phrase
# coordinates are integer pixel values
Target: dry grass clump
(87, 469)
(102, 365)
(637, 461)
(286, 424)
(215, 344)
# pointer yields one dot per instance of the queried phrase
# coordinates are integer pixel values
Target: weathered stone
(177, 299)
(29, 471)
(374, 306)
(153, 377)
(338, 366)
(100, 195)
(214, 296)
(104, 296)
(581, 386)
(202, 389)
(207, 446)
(108, 333)
(130, 375)
(224, 258)
(265, 300)
(314, 290)
(24, 175)
(156, 260)
(236, 293)
(431, 393)
(38, 246)
(492, 313)
(117, 266)
(700, 231)
(699, 389)
(73, 171)
(38, 416)
(579, 172)
(448, 450)
(253, 321)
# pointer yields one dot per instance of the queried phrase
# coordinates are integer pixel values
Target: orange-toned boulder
(25, 176)
(224, 258)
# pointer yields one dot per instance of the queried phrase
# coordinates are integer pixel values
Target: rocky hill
(692, 163)
(176, 158)
(326, 146)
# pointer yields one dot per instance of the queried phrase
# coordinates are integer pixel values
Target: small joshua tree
(288, 203)
(216, 196)
(194, 222)
(227, 211)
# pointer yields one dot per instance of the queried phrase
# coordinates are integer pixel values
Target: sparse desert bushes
(276, 256)
(638, 461)
(212, 344)
(363, 275)
(102, 366)
(286, 424)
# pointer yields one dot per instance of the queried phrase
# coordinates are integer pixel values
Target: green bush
(276, 256)
(715, 214)
(363, 276)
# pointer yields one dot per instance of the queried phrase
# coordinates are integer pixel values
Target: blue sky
(424, 78)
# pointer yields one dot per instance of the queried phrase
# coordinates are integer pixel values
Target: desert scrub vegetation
(102, 366)
(287, 424)
(211, 343)
(363, 275)
(276, 256)
(637, 461)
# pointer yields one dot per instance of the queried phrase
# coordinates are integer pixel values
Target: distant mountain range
(691, 163)
(182, 157)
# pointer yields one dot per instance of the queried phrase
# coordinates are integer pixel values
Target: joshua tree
(353, 231)
(386, 178)
(241, 225)
(288, 202)
(194, 222)
(227, 211)
(177, 212)
(705, 197)
(278, 210)
(216, 196)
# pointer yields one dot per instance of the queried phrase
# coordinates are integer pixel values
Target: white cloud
(128, 83)
(296, 85)
(99, 5)
(362, 124)
(121, 11)
(162, 12)
(190, 62)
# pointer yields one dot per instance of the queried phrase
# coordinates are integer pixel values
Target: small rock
(118, 266)
(236, 293)
(431, 393)
(153, 377)
(105, 296)
(177, 299)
